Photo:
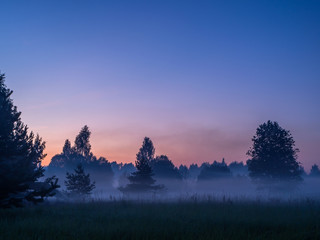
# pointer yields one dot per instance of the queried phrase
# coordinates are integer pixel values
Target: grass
(160, 220)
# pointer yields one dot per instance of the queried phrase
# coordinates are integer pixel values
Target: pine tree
(141, 180)
(20, 156)
(67, 150)
(79, 183)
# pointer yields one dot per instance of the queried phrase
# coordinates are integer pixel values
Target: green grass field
(178, 220)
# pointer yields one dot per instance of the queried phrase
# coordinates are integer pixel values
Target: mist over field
(234, 188)
(263, 178)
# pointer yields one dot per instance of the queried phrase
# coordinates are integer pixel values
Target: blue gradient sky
(197, 77)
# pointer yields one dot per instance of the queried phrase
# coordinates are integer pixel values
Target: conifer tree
(67, 150)
(141, 180)
(79, 183)
(21, 154)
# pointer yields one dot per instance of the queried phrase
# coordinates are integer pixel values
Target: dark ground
(156, 220)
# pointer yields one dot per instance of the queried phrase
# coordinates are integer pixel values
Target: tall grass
(163, 220)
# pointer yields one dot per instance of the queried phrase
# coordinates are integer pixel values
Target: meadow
(180, 219)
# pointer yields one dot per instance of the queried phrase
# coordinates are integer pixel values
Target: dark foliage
(238, 169)
(194, 171)
(120, 168)
(164, 168)
(20, 156)
(314, 172)
(67, 150)
(72, 156)
(82, 144)
(99, 168)
(184, 171)
(142, 180)
(79, 183)
(42, 190)
(303, 172)
(273, 155)
(214, 171)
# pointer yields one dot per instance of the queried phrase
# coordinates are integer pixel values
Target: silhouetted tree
(99, 168)
(57, 162)
(164, 168)
(79, 183)
(314, 172)
(214, 171)
(194, 171)
(273, 155)
(184, 171)
(128, 167)
(20, 156)
(100, 165)
(120, 168)
(82, 144)
(141, 180)
(67, 150)
(238, 169)
(61, 160)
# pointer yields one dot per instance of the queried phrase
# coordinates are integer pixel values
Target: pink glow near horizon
(185, 147)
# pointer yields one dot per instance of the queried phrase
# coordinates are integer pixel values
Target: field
(163, 220)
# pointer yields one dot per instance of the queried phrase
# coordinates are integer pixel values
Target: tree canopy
(80, 153)
(82, 144)
(273, 155)
(164, 168)
(214, 171)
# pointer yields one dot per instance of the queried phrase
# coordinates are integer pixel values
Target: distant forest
(77, 172)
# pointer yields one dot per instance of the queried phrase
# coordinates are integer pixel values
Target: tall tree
(144, 172)
(145, 156)
(67, 150)
(21, 154)
(273, 155)
(82, 142)
(79, 183)
(141, 180)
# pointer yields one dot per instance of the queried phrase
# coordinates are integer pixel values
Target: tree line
(272, 160)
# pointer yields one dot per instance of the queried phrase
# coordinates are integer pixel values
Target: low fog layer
(272, 172)
(235, 185)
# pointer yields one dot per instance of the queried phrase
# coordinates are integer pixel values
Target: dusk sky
(197, 77)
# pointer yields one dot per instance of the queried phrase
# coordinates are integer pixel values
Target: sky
(197, 77)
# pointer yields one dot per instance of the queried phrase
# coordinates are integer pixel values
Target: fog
(274, 175)
(235, 188)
